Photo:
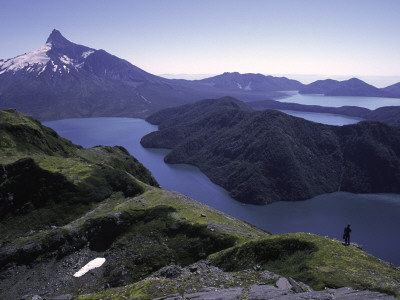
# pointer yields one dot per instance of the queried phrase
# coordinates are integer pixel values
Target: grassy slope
(153, 287)
(163, 226)
(315, 260)
(47, 180)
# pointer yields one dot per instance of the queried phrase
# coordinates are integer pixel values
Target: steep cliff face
(266, 156)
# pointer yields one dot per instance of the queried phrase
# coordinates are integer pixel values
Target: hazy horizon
(377, 81)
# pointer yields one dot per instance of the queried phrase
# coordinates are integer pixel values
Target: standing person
(346, 235)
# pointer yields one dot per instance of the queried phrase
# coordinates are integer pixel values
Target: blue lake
(325, 118)
(338, 101)
(374, 218)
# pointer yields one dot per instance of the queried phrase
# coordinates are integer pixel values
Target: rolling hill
(266, 156)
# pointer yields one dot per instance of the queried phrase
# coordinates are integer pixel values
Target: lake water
(374, 218)
(338, 101)
(325, 118)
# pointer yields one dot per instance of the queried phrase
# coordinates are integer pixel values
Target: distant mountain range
(252, 82)
(63, 80)
(387, 114)
(266, 156)
(351, 87)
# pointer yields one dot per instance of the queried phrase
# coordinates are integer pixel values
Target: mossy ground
(189, 282)
(318, 261)
(48, 181)
(159, 228)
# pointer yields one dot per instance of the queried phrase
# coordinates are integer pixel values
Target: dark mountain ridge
(355, 87)
(389, 115)
(252, 82)
(350, 87)
(266, 156)
(393, 89)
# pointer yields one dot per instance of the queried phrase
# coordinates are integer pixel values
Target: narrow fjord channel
(374, 217)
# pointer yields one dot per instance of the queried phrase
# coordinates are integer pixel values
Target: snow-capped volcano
(58, 55)
(31, 61)
(62, 79)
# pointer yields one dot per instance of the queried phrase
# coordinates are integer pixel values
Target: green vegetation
(48, 181)
(315, 260)
(22, 136)
(61, 205)
(188, 282)
(139, 236)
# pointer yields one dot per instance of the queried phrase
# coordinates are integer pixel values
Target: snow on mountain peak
(38, 57)
(87, 53)
(58, 50)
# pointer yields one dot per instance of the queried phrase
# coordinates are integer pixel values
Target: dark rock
(29, 233)
(270, 292)
(257, 268)
(193, 269)
(31, 297)
(102, 232)
(62, 297)
(169, 272)
(210, 294)
(351, 294)
(283, 284)
(267, 292)
(296, 286)
(269, 275)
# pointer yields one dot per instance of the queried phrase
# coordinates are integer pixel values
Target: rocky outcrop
(270, 292)
(282, 289)
(260, 292)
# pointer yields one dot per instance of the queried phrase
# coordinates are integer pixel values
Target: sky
(309, 39)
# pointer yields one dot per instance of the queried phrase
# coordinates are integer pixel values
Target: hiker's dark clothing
(346, 235)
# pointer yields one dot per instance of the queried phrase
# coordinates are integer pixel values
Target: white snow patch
(66, 60)
(87, 53)
(65, 68)
(78, 66)
(144, 98)
(95, 263)
(239, 86)
(55, 67)
(248, 87)
(41, 71)
(37, 57)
